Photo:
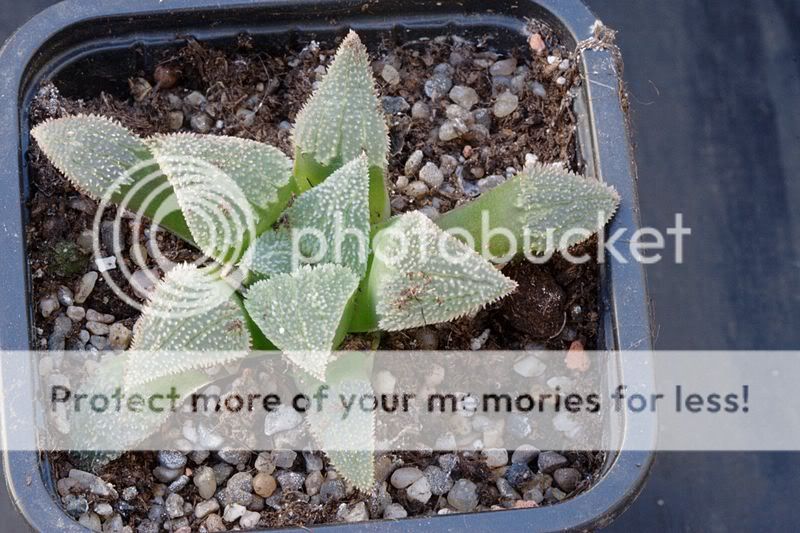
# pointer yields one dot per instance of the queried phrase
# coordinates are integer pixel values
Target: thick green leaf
(554, 198)
(540, 200)
(193, 320)
(335, 212)
(305, 314)
(344, 116)
(104, 160)
(421, 275)
(113, 430)
(347, 436)
(229, 189)
(342, 119)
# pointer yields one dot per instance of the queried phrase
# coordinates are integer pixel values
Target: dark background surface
(715, 93)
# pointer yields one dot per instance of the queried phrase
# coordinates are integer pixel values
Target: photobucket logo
(213, 206)
(496, 244)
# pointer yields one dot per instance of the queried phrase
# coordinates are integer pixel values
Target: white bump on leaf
(339, 206)
(94, 153)
(344, 116)
(427, 276)
(555, 199)
(193, 320)
(301, 313)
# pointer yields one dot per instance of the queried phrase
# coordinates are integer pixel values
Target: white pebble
(506, 104)
(529, 367)
(390, 75)
(466, 97)
(431, 175)
(413, 163)
(104, 264)
(495, 457)
(419, 491)
(416, 189)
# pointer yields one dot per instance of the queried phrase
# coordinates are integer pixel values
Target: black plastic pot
(92, 46)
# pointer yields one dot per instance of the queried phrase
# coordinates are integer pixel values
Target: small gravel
(233, 512)
(431, 175)
(524, 454)
(420, 111)
(495, 457)
(205, 508)
(264, 484)
(413, 163)
(466, 97)
(403, 477)
(284, 458)
(505, 104)
(567, 478)
(505, 67)
(331, 490)
(394, 511)
(518, 474)
(549, 462)
(171, 459)
(174, 506)
(49, 305)
(249, 520)
(390, 75)
(419, 491)
(463, 496)
(357, 513)
(206, 482)
(438, 480)
(394, 105)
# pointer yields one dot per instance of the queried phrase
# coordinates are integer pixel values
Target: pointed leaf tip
(423, 275)
(96, 154)
(344, 115)
(303, 313)
(571, 207)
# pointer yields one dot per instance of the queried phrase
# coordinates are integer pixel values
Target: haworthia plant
(342, 119)
(396, 274)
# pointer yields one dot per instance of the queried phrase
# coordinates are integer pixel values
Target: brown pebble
(525, 504)
(577, 358)
(166, 77)
(537, 44)
(175, 120)
(264, 484)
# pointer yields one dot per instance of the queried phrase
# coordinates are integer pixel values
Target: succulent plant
(321, 257)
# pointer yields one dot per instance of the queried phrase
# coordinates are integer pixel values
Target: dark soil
(557, 303)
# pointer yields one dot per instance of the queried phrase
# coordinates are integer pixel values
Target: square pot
(62, 41)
